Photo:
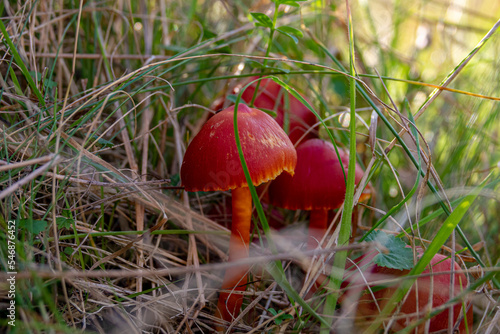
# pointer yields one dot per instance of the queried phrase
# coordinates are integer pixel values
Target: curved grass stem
(268, 51)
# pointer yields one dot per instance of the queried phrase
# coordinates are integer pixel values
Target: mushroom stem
(235, 279)
(317, 227)
(318, 222)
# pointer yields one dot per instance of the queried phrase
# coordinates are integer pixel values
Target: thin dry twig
(9, 166)
(30, 177)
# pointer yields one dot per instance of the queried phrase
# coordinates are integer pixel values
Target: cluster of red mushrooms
(314, 180)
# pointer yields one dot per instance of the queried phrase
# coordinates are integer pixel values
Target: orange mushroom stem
(318, 223)
(211, 163)
(235, 279)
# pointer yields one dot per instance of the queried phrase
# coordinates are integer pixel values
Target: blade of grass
(268, 50)
(20, 63)
(337, 272)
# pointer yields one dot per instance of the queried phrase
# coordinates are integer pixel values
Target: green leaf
(49, 83)
(37, 76)
(33, 226)
(63, 222)
(289, 3)
(273, 311)
(292, 3)
(291, 32)
(207, 34)
(263, 19)
(398, 257)
(258, 24)
(281, 317)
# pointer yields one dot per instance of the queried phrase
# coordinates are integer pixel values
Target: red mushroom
(271, 96)
(438, 281)
(212, 163)
(318, 185)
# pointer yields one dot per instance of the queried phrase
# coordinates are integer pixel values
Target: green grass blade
(339, 260)
(21, 64)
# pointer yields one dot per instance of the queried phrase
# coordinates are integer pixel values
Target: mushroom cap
(271, 96)
(318, 182)
(439, 283)
(212, 163)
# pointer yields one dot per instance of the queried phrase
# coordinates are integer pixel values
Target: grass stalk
(337, 273)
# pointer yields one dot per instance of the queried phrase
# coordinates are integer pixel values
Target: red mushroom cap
(272, 96)
(318, 182)
(441, 266)
(212, 162)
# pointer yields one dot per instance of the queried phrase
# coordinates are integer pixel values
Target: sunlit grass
(110, 123)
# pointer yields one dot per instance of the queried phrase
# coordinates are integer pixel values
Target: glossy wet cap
(272, 96)
(318, 182)
(212, 162)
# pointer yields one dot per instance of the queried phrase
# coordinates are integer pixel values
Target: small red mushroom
(271, 96)
(212, 163)
(318, 185)
(438, 281)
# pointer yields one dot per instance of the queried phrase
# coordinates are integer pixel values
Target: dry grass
(92, 140)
